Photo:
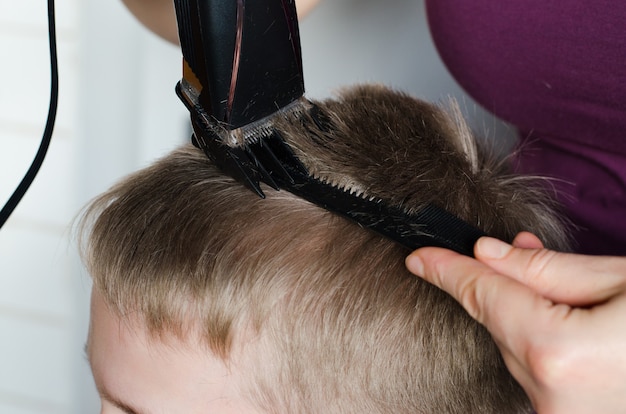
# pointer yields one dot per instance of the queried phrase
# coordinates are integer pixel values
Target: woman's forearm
(160, 18)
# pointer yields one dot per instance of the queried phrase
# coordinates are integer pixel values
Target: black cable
(47, 134)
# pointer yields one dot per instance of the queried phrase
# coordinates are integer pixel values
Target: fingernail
(415, 264)
(491, 248)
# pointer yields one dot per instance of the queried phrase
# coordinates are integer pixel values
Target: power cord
(47, 134)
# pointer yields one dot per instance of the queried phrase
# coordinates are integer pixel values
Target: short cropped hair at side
(326, 316)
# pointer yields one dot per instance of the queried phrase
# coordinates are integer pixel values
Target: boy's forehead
(139, 374)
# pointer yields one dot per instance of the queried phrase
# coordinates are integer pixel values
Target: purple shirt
(556, 69)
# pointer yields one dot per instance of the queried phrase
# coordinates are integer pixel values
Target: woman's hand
(558, 319)
(159, 15)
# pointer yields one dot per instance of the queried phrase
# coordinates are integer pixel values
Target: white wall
(36, 312)
(114, 78)
(353, 41)
(117, 112)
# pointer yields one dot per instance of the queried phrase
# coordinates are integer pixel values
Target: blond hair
(329, 319)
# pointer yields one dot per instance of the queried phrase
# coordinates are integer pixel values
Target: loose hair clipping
(241, 65)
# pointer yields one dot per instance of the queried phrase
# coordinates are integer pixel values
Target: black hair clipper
(242, 64)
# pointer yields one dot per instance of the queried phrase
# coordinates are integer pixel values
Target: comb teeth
(353, 189)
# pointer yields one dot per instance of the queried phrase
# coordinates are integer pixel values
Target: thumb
(485, 294)
(576, 280)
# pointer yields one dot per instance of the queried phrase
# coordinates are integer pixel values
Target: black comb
(243, 64)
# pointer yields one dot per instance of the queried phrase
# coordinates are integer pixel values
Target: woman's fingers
(502, 304)
(576, 280)
(526, 240)
(568, 359)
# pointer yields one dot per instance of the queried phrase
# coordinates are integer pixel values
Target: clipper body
(242, 58)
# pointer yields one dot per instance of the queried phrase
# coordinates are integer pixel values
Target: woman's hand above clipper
(558, 319)
(159, 15)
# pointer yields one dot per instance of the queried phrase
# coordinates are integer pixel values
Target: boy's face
(140, 374)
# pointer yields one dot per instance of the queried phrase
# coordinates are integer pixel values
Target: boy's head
(283, 307)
